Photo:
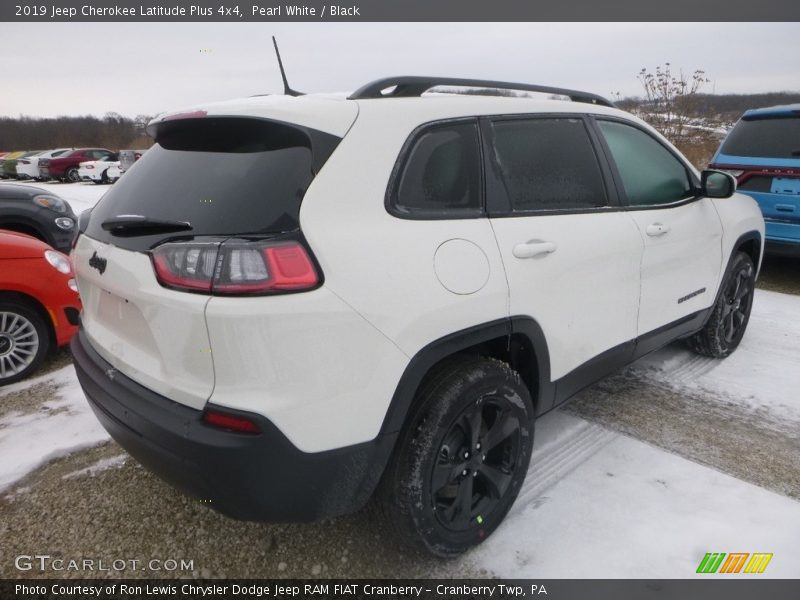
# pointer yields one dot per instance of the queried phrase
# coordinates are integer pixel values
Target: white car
(114, 172)
(28, 167)
(97, 170)
(293, 304)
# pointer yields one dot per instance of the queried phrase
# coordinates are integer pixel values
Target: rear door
(681, 232)
(571, 255)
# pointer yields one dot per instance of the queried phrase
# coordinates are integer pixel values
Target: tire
(461, 460)
(71, 176)
(725, 327)
(24, 341)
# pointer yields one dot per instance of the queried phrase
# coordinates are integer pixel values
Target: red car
(39, 304)
(65, 166)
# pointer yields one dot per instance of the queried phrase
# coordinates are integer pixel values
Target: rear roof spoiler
(409, 87)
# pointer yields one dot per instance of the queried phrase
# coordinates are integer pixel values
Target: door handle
(657, 229)
(533, 248)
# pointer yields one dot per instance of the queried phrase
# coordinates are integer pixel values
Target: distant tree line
(112, 131)
(723, 107)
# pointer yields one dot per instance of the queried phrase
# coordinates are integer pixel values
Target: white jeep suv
(294, 304)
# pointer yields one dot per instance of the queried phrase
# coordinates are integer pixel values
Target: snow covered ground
(65, 424)
(596, 503)
(763, 375)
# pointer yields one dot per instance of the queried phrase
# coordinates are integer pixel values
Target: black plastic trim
(262, 477)
(73, 315)
(781, 248)
(413, 86)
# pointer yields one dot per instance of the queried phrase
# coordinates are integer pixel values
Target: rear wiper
(133, 225)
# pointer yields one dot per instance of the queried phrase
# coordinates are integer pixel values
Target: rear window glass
(768, 138)
(224, 176)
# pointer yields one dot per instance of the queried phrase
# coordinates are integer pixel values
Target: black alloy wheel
(461, 458)
(730, 315)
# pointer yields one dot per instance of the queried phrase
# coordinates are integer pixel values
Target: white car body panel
(114, 172)
(585, 294)
(681, 266)
(410, 305)
(299, 360)
(154, 335)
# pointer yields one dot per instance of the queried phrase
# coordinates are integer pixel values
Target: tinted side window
(441, 173)
(650, 173)
(548, 164)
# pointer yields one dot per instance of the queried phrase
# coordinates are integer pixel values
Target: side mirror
(716, 184)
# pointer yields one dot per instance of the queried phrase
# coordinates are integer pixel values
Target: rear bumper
(782, 237)
(259, 477)
(782, 248)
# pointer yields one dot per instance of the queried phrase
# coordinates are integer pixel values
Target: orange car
(39, 304)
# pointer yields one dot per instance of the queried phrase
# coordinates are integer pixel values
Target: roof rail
(405, 87)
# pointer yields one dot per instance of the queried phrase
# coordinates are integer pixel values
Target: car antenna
(286, 89)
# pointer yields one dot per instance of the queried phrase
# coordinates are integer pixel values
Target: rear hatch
(207, 182)
(763, 152)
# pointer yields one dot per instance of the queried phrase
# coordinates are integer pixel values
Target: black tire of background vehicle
(43, 343)
(457, 396)
(725, 327)
(71, 176)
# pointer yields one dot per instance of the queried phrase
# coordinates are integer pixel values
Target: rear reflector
(235, 267)
(230, 422)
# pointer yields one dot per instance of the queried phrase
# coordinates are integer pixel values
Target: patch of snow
(66, 424)
(762, 374)
(101, 465)
(614, 507)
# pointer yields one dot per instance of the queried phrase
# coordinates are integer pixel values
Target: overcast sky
(49, 69)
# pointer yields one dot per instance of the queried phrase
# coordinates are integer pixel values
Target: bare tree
(671, 98)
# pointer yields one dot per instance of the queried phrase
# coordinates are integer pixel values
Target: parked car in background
(65, 167)
(10, 164)
(128, 157)
(39, 304)
(37, 212)
(114, 172)
(10, 156)
(97, 170)
(28, 168)
(763, 152)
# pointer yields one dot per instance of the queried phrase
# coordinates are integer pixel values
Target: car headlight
(65, 223)
(52, 202)
(58, 261)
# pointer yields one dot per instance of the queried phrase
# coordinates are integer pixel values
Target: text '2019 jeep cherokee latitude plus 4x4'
(293, 304)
